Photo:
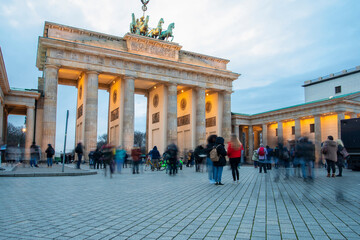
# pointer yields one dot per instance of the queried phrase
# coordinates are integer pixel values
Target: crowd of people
(297, 158)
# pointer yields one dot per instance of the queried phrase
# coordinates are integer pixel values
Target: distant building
(333, 85)
(317, 118)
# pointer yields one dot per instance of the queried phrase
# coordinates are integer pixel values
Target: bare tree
(139, 138)
(102, 140)
(15, 136)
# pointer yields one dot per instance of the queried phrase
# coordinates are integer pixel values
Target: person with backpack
(50, 152)
(135, 155)
(209, 164)
(329, 149)
(119, 158)
(342, 155)
(234, 153)
(262, 157)
(79, 151)
(155, 157)
(171, 157)
(217, 155)
(97, 157)
(269, 157)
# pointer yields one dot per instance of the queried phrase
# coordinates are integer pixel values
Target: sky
(275, 45)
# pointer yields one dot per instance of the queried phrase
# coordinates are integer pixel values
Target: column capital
(129, 77)
(200, 88)
(52, 66)
(30, 107)
(170, 84)
(92, 72)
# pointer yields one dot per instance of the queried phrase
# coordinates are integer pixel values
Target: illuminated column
(128, 116)
(317, 119)
(280, 132)
(200, 117)
(172, 114)
(226, 121)
(50, 100)
(297, 129)
(237, 130)
(91, 85)
(29, 135)
(264, 134)
(251, 141)
(340, 116)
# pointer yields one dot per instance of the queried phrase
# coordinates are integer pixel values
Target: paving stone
(155, 206)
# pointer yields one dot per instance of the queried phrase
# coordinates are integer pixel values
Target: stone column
(264, 134)
(251, 141)
(317, 121)
(297, 128)
(147, 121)
(50, 100)
(226, 121)
(29, 135)
(128, 116)
(237, 130)
(172, 114)
(91, 85)
(280, 132)
(200, 117)
(341, 116)
(2, 115)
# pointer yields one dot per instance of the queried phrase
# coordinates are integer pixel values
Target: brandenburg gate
(188, 94)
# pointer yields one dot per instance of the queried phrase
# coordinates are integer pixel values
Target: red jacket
(234, 153)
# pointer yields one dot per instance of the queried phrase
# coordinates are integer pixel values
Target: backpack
(214, 157)
(262, 151)
(286, 155)
(52, 151)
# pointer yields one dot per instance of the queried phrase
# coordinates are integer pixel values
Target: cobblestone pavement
(154, 205)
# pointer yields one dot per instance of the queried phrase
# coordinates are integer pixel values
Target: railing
(357, 68)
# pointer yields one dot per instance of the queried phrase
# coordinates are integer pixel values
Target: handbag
(344, 153)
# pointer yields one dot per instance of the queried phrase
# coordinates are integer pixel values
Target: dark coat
(210, 144)
(50, 152)
(220, 148)
(340, 157)
(155, 154)
(199, 150)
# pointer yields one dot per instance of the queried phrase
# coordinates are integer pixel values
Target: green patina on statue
(140, 26)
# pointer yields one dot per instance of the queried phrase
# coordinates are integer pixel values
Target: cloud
(274, 44)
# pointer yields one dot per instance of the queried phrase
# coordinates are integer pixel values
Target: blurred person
(108, 158)
(199, 156)
(219, 165)
(329, 149)
(190, 158)
(209, 164)
(172, 152)
(126, 160)
(234, 153)
(262, 157)
(298, 155)
(50, 152)
(35, 155)
(269, 157)
(255, 158)
(135, 155)
(97, 158)
(342, 155)
(79, 151)
(309, 158)
(119, 158)
(155, 157)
